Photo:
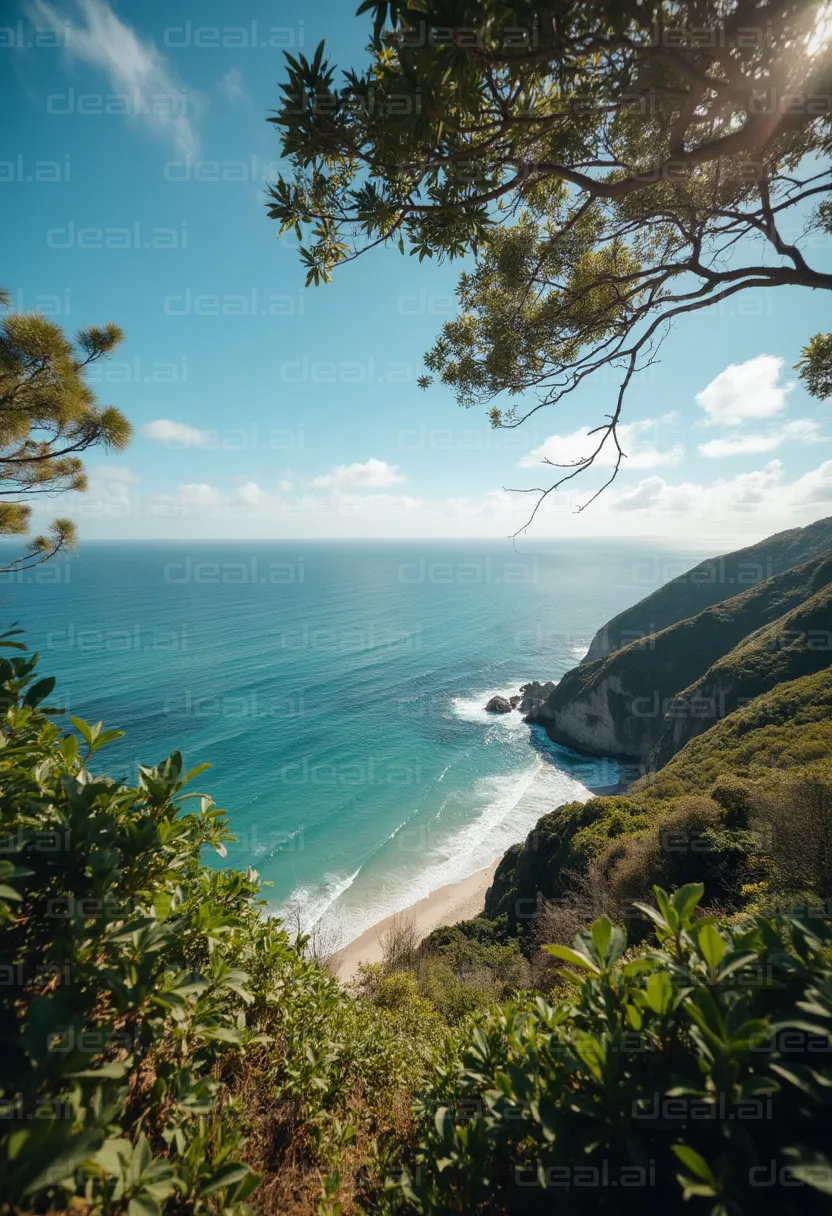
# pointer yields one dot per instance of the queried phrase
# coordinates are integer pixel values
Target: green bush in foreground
(161, 1041)
(699, 1070)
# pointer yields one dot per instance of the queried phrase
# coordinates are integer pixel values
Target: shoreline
(445, 906)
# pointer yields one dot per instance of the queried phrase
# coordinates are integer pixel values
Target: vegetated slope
(797, 644)
(712, 581)
(787, 730)
(617, 705)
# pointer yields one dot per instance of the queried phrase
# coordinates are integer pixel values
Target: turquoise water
(338, 691)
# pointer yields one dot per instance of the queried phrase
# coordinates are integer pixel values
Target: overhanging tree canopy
(613, 165)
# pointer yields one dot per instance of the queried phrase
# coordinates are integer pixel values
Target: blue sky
(132, 189)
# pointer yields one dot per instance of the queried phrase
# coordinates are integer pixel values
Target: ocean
(338, 691)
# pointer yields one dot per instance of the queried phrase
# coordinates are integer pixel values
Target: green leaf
(696, 1163)
(811, 1166)
(601, 934)
(227, 1175)
(143, 1205)
(662, 902)
(142, 1155)
(111, 1070)
(567, 955)
(711, 945)
(658, 992)
(39, 692)
(687, 897)
(444, 1125)
(654, 915)
(734, 962)
(83, 730)
(194, 772)
(617, 946)
(637, 965)
(113, 1156)
(79, 1149)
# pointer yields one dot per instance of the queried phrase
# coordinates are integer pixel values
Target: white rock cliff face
(605, 721)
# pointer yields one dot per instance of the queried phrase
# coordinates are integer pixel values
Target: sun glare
(821, 36)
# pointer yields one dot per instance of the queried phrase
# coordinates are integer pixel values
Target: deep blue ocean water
(338, 691)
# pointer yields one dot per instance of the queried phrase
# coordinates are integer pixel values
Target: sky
(133, 171)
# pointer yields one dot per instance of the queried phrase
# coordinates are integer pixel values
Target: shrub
(586, 897)
(160, 1039)
(687, 844)
(696, 1071)
(561, 844)
(792, 819)
(736, 797)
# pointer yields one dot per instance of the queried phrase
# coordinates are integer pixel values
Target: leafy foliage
(48, 414)
(815, 365)
(166, 1048)
(698, 1070)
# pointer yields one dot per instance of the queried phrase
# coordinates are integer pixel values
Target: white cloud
(372, 474)
(285, 487)
(113, 474)
(250, 494)
(646, 494)
(719, 513)
(174, 434)
(648, 443)
(199, 495)
(133, 66)
(802, 430)
(110, 492)
(814, 486)
(746, 493)
(231, 85)
(745, 392)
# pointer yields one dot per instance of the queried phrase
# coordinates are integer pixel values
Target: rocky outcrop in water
(534, 698)
(498, 705)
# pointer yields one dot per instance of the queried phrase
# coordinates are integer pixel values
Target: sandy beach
(445, 906)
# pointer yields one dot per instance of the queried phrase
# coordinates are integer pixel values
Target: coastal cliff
(711, 582)
(644, 699)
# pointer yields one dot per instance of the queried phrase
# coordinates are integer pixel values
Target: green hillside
(787, 728)
(619, 705)
(783, 734)
(712, 581)
(797, 644)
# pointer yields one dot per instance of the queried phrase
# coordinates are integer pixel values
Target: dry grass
(399, 943)
(278, 1148)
